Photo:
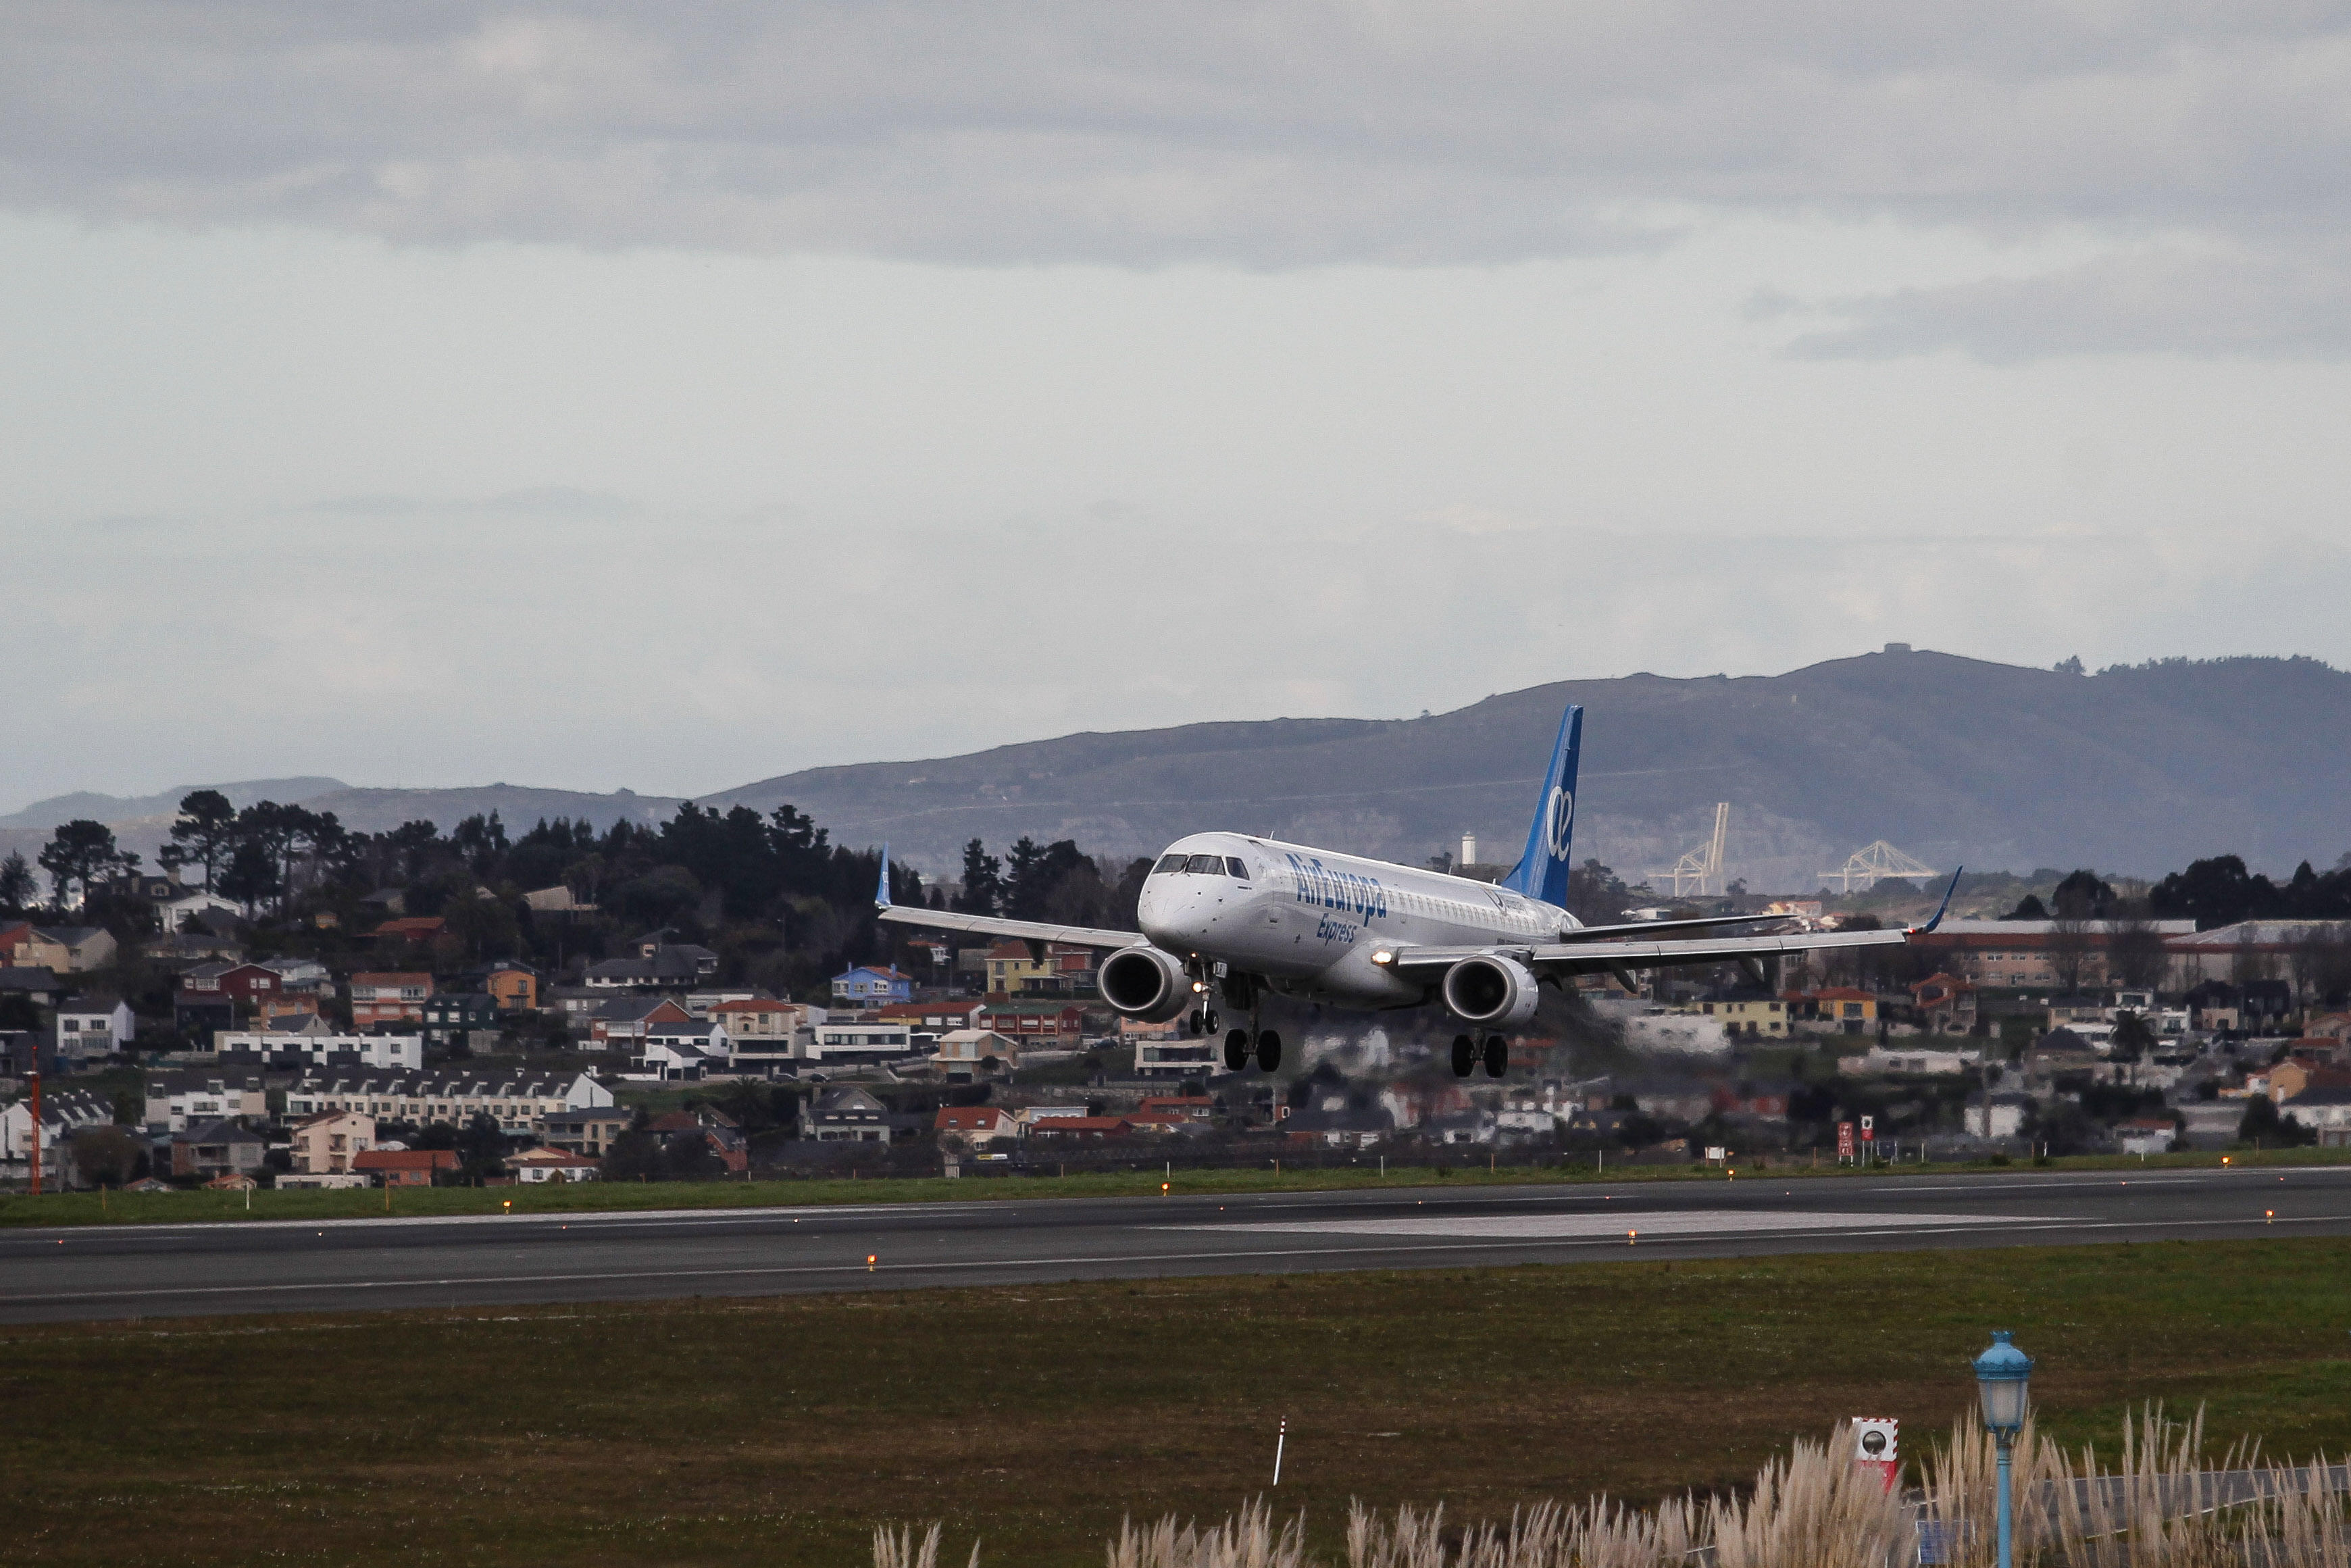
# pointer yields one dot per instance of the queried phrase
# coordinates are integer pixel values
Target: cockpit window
(1233, 867)
(1168, 863)
(1207, 865)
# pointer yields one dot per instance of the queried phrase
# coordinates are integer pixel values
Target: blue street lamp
(2000, 1375)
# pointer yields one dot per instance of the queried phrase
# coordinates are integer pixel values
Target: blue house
(867, 987)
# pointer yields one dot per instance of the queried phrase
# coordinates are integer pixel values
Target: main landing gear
(1237, 1050)
(1465, 1056)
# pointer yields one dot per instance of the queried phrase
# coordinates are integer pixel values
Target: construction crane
(1702, 869)
(1877, 861)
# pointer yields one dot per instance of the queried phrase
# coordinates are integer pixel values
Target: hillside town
(288, 1004)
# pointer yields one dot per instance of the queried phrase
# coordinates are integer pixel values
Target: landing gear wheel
(1210, 1023)
(1269, 1049)
(1197, 1023)
(1237, 1051)
(1465, 1055)
(1497, 1056)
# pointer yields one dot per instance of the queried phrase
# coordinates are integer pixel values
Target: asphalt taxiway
(157, 1270)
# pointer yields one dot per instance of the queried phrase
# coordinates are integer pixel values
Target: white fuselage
(1308, 920)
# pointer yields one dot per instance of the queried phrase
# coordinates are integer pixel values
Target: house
(557, 900)
(244, 984)
(718, 1131)
(1747, 1013)
(937, 1018)
(320, 1047)
(589, 1130)
(2249, 946)
(1036, 1025)
(386, 901)
(1946, 1003)
(2291, 1079)
(1078, 1129)
(760, 1018)
(64, 1112)
(512, 988)
(967, 1053)
(1840, 1007)
(177, 1098)
(188, 908)
(93, 1026)
(972, 1126)
(847, 1116)
(2327, 1112)
(216, 1149)
(299, 977)
(69, 950)
(1163, 1051)
(536, 1166)
(867, 986)
(684, 1052)
(405, 1167)
(389, 997)
(852, 1037)
(658, 966)
(411, 928)
(2147, 1135)
(325, 1143)
(455, 1018)
(1471, 1127)
(515, 1104)
(41, 985)
(1013, 965)
(620, 1024)
(296, 1010)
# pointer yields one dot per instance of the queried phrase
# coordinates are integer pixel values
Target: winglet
(881, 888)
(1941, 907)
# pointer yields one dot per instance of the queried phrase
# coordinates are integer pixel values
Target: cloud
(1263, 134)
(2171, 300)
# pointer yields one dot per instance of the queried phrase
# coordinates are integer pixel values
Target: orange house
(513, 988)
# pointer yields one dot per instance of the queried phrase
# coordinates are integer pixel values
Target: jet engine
(1146, 984)
(1487, 989)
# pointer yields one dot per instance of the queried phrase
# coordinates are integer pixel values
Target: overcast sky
(673, 396)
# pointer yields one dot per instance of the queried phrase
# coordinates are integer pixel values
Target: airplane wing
(1614, 951)
(990, 925)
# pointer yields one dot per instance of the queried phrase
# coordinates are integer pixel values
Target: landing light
(1383, 956)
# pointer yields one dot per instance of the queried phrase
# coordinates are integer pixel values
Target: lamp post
(2000, 1376)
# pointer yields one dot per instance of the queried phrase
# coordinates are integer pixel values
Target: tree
(204, 833)
(18, 887)
(2069, 951)
(2132, 1039)
(2263, 1125)
(250, 876)
(82, 853)
(482, 1148)
(107, 1156)
(1596, 895)
(2135, 953)
(2082, 895)
(983, 881)
(2029, 907)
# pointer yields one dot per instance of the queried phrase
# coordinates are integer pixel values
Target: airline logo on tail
(1561, 816)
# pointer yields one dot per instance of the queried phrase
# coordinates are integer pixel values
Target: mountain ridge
(2134, 769)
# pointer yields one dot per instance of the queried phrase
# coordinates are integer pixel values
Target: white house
(388, 1052)
(64, 1112)
(852, 1041)
(535, 1165)
(1882, 1059)
(93, 1026)
(177, 1101)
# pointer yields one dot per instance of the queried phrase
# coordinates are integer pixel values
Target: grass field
(171, 1207)
(781, 1431)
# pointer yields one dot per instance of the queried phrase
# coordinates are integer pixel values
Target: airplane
(1228, 918)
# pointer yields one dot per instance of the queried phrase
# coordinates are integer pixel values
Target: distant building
(544, 1164)
(385, 1052)
(513, 988)
(846, 1115)
(390, 997)
(91, 1027)
(867, 987)
(968, 1053)
(405, 1167)
(326, 1144)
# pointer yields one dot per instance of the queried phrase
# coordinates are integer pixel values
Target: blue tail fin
(1542, 872)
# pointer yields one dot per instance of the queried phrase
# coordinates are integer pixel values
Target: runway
(121, 1271)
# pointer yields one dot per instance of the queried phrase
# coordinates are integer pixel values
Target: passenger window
(1168, 863)
(1234, 866)
(1207, 865)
